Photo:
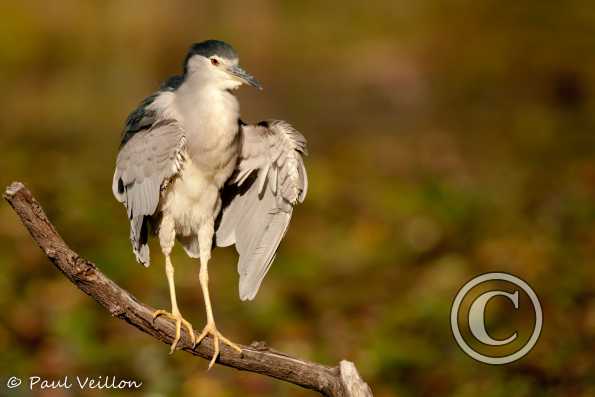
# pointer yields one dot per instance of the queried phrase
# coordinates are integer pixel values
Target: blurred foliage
(447, 139)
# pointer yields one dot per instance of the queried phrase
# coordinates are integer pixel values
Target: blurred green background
(447, 139)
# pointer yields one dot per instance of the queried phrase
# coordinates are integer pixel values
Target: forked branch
(340, 381)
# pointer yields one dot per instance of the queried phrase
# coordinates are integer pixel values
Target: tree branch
(340, 381)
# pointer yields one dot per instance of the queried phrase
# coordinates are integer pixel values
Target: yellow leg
(211, 328)
(175, 312)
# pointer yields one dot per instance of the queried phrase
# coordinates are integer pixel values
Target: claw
(211, 329)
(179, 320)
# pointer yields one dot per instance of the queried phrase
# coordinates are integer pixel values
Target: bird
(189, 170)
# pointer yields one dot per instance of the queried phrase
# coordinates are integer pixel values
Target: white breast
(191, 200)
(210, 121)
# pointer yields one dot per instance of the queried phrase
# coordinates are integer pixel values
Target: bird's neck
(209, 114)
(195, 95)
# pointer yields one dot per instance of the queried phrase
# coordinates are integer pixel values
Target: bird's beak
(243, 76)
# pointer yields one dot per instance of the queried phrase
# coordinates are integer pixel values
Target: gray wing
(148, 159)
(270, 179)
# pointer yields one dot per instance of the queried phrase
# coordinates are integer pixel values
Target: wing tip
(248, 290)
(246, 297)
(142, 255)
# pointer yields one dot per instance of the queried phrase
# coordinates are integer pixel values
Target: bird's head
(215, 63)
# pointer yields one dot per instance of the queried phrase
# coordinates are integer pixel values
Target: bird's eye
(214, 61)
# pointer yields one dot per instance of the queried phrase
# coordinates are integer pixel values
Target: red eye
(214, 61)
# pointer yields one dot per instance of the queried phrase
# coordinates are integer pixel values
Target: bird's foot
(211, 329)
(179, 320)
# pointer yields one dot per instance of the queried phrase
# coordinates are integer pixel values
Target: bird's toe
(177, 318)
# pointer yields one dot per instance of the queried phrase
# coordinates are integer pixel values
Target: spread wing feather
(148, 159)
(270, 179)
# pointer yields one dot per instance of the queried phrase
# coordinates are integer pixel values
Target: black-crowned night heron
(190, 169)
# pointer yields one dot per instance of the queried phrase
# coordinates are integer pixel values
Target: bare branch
(339, 381)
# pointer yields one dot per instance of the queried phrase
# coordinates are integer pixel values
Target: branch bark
(340, 381)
